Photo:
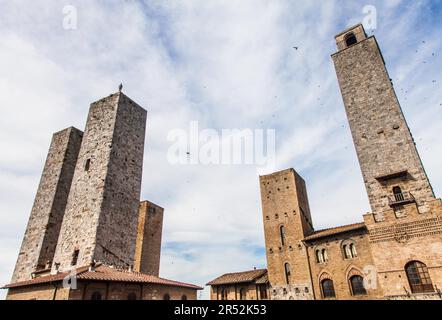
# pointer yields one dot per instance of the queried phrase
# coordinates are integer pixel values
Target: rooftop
(258, 275)
(104, 273)
(334, 231)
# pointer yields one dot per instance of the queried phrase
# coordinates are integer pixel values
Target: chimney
(92, 266)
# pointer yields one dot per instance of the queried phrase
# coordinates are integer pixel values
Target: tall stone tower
(405, 227)
(38, 246)
(148, 248)
(287, 221)
(101, 215)
(390, 164)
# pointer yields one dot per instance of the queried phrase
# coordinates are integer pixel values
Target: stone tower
(405, 227)
(287, 221)
(101, 215)
(38, 246)
(390, 164)
(148, 248)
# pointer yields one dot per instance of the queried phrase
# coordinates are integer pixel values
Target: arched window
(131, 296)
(350, 39)
(183, 297)
(96, 296)
(166, 297)
(357, 286)
(282, 234)
(353, 250)
(223, 294)
(418, 277)
(349, 249)
(324, 255)
(287, 273)
(242, 294)
(328, 289)
(319, 256)
(398, 195)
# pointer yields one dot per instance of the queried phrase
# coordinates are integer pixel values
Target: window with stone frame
(350, 39)
(287, 273)
(328, 289)
(357, 285)
(418, 277)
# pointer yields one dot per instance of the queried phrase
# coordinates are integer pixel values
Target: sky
(227, 65)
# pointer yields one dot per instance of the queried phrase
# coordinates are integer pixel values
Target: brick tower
(148, 248)
(101, 215)
(390, 163)
(287, 221)
(405, 226)
(39, 242)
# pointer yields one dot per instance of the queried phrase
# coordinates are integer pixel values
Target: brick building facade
(396, 253)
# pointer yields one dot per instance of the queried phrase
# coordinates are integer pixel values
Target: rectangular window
(75, 257)
(87, 165)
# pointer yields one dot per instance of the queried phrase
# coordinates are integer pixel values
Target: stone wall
(102, 211)
(41, 236)
(148, 247)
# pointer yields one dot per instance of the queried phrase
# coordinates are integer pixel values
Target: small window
(151, 210)
(96, 296)
(282, 235)
(287, 273)
(131, 296)
(398, 195)
(183, 297)
(263, 292)
(242, 294)
(75, 257)
(87, 165)
(223, 294)
(418, 277)
(350, 39)
(321, 255)
(328, 289)
(349, 250)
(357, 286)
(166, 297)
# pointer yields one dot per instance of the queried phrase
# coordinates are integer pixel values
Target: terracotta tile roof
(333, 231)
(105, 273)
(263, 279)
(238, 277)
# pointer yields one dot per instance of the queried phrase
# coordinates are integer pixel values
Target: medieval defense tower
(41, 236)
(101, 215)
(287, 221)
(390, 164)
(405, 226)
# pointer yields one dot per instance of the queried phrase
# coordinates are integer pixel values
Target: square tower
(101, 215)
(391, 167)
(150, 229)
(41, 236)
(287, 221)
